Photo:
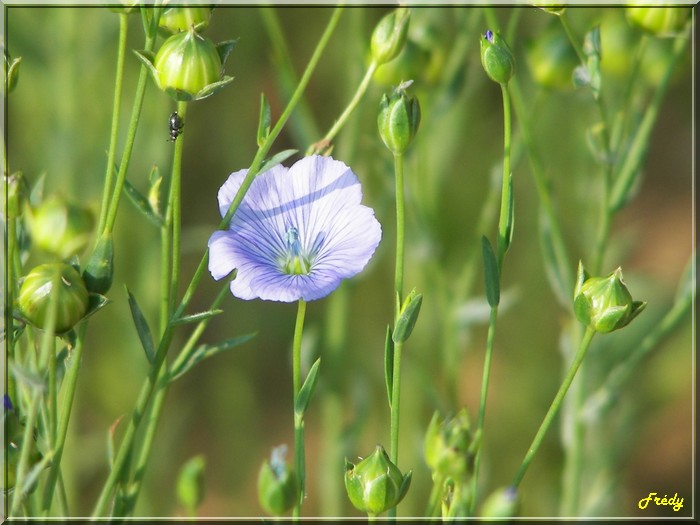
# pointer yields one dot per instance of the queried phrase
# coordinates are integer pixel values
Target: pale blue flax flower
(297, 234)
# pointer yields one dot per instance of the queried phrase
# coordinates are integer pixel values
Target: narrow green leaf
(307, 389)
(193, 318)
(407, 319)
(389, 363)
(142, 328)
(185, 363)
(95, 302)
(142, 203)
(278, 158)
(491, 277)
(264, 121)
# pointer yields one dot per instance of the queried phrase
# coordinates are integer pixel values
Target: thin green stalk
(436, 495)
(70, 382)
(18, 497)
(303, 126)
(325, 142)
(176, 209)
(116, 110)
(164, 344)
(554, 407)
(505, 222)
(299, 451)
(111, 215)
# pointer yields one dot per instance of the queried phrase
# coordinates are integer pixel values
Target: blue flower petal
(318, 201)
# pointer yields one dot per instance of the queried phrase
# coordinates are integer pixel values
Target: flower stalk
(299, 449)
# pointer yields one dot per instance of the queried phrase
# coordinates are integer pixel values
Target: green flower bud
(190, 484)
(501, 503)
(389, 36)
(49, 284)
(176, 19)
(375, 484)
(278, 490)
(450, 447)
(604, 303)
(11, 72)
(60, 227)
(496, 57)
(398, 119)
(189, 66)
(551, 58)
(659, 21)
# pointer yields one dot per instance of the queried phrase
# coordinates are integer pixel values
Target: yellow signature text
(675, 501)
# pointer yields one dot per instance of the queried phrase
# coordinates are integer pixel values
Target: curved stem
(554, 407)
(361, 89)
(299, 451)
(116, 109)
(400, 231)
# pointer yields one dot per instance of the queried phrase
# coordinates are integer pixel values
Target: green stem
(481, 418)
(505, 220)
(400, 231)
(116, 110)
(111, 215)
(18, 497)
(325, 142)
(299, 452)
(554, 408)
(70, 382)
(436, 495)
(176, 209)
(164, 344)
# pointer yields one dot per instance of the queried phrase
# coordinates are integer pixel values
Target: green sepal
(307, 390)
(142, 204)
(637, 308)
(389, 363)
(205, 92)
(142, 328)
(264, 120)
(185, 362)
(224, 49)
(100, 267)
(581, 276)
(96, 302)
(408, 317)
(147, 58)
(611, 319)
(193, 318)
(491, 274)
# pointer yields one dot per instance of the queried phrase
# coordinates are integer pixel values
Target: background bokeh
(235, 407)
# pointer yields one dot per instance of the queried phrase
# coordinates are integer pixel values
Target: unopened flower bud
(189, 66)
(551, 58)
(496, 57)
(450, 447)
(389, 35)
(176, 19)
(60, 227)
(375, 484)
(657, 20)
(278, 490)
(398, 119)
(53, 286)
(501, 503)
(604, 303)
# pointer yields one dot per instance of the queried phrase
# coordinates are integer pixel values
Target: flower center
(295, 263)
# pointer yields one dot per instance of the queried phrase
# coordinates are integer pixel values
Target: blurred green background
(235, 407)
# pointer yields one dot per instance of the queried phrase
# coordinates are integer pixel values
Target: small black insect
(175, 125)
